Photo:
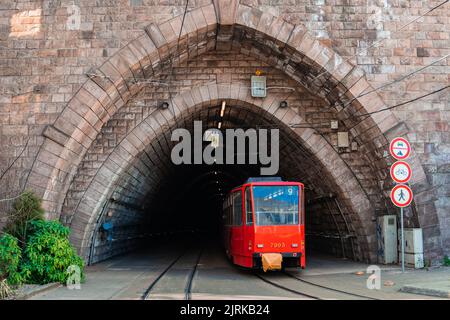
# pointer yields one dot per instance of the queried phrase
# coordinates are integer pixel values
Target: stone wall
(43, 63)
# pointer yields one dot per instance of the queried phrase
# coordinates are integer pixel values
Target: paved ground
(129, 276)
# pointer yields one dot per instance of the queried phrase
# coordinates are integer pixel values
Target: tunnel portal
(105, 169)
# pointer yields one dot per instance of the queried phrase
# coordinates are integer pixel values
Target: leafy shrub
(48, 253)
(27, 208)
(10, 253)
(447, 261)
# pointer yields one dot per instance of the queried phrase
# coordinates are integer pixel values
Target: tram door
(237, 235)
(249, 240)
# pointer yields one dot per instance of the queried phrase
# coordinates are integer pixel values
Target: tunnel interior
(157, 198)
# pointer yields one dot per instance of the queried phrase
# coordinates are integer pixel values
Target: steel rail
(188, 289)
(287, 289)
(152, 285)
(329, 288)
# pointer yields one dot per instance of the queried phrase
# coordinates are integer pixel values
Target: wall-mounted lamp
(283, 104)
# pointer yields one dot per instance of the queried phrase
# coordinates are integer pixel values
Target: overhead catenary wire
(358, 52)
(171, 58)
(14, 161)
(395, 81)
(404, 103)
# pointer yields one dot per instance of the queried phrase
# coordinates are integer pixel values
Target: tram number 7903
(277, 245)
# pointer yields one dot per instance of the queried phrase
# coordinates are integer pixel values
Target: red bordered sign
(400, 148)
(401, 172)
(401, 196)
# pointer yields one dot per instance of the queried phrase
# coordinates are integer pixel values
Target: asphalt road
(130, 276)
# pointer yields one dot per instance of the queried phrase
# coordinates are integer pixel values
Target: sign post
(401, 195)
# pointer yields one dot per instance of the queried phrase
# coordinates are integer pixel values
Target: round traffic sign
(401, 172)
(400, 148)
(401, 195)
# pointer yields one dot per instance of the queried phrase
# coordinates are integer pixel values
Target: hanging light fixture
(222, 110)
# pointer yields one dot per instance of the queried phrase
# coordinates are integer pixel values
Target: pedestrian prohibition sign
(400, 148)
(401, 172)
(401, 195)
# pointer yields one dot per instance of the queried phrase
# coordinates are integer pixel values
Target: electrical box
(413, 247)
(334, 124)
(258, 86)
(387, 239)
(343, 141)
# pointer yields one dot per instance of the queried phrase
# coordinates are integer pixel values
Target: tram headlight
(260, 245)
(294, 245)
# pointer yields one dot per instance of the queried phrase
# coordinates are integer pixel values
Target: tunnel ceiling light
(222, 110)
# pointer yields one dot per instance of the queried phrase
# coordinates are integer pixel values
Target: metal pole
(402, 239)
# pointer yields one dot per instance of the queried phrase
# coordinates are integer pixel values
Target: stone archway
(301, 57)
(102, 185)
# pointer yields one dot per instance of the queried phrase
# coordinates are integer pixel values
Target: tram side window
(248, 207)
(237, 209)
(227, 210)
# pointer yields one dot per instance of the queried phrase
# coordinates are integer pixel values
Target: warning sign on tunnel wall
(400, 148)
(400, 172)
(401, 196)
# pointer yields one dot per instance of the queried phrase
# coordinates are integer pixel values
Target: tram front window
(276, 205)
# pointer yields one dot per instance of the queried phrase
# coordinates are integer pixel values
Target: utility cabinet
(413, 247)
(387, 239)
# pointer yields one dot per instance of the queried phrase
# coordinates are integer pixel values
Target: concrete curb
(427, 291)
(37, 290)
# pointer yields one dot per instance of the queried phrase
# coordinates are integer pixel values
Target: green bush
(27, 208)
(48, 253)
(10, 253)
(447, 261)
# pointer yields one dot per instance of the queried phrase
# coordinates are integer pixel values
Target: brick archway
(102, 185)
(68, 139)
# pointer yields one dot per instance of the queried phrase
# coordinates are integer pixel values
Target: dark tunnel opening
(188, 198)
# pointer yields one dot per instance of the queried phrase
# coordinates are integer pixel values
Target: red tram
(263, 220)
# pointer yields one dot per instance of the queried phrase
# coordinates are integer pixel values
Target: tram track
(277, 285)
(187, 288)
(303, 292)
(328, 288)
